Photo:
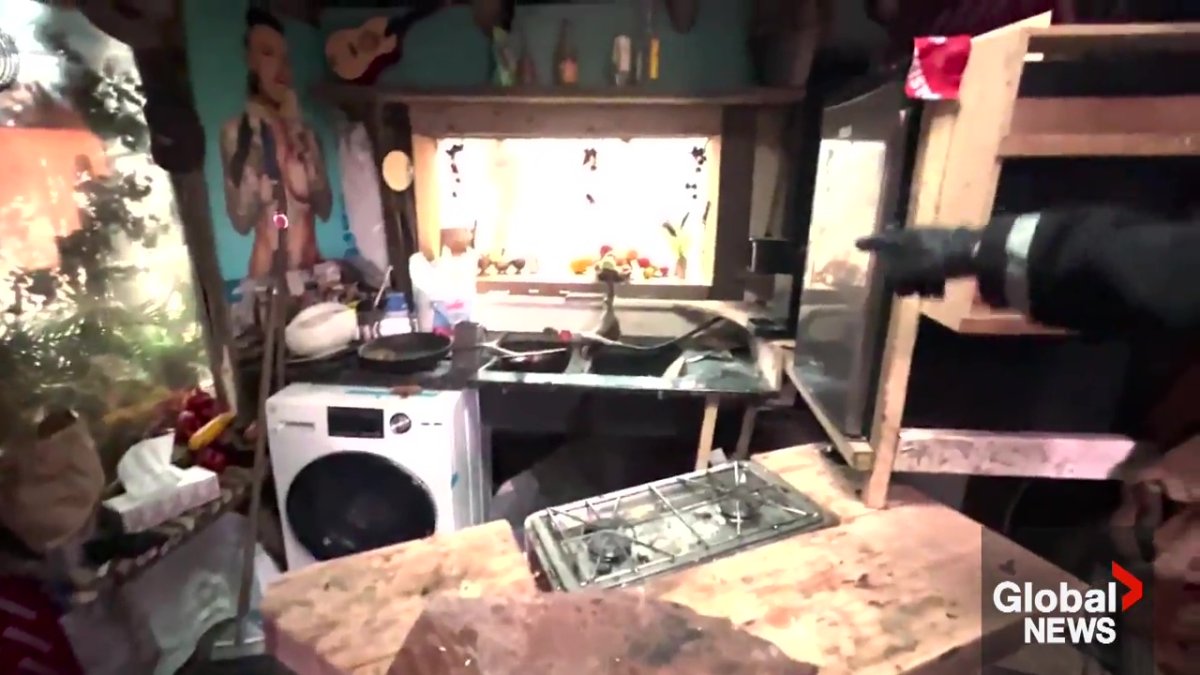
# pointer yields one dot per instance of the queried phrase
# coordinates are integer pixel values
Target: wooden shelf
(1159, 126)
(984, 321)
(1072, 40)
(1101, 145)
(338, 92)
(1029, 455)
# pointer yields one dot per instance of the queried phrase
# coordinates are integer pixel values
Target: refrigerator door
(867, 144)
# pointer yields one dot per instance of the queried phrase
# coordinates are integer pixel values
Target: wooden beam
(1070, 40)
(558, 96)
(986, 321)
(1101, 145)
(524, 120)
(1101, 115)
(1096, 126)
(1033, 455)
(425, 186)
(395, 206)
(731, 204)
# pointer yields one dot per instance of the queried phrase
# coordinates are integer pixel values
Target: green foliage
(71, 336)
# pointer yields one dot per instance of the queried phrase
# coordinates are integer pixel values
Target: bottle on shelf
(648, 51)
(622, 60)
(526, 68)
(566, 58)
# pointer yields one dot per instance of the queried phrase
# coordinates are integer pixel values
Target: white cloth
(360, 188)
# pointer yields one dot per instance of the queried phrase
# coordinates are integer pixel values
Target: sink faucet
(610, 327)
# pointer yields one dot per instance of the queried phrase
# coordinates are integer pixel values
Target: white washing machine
(359, 468)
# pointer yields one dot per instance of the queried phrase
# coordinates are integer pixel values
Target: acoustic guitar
(361, 54)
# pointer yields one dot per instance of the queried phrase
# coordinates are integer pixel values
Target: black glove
(920, 260)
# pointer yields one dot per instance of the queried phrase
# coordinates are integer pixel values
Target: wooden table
(886, 591)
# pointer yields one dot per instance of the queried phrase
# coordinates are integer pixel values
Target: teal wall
(218, 76)
(447, 50)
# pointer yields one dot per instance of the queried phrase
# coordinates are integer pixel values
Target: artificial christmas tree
(109, 329)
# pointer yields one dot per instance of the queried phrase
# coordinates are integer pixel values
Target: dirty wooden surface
(886, 591)
(352, 615)
(890, 591)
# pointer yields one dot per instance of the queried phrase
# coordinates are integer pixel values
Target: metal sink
(691, 367)
(542, 363)
(631, 363)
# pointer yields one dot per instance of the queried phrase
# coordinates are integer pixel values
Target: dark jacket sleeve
(1094, 269)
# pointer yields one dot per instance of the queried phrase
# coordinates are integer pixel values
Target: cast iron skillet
(404, 354)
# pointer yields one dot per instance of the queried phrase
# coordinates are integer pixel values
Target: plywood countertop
(890, 591)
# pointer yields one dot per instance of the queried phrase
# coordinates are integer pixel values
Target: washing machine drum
(350, 502)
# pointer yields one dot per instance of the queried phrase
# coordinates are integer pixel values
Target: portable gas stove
(624, 537)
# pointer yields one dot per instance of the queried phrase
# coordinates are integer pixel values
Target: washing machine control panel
(342, 422)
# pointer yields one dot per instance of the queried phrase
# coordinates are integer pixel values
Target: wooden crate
(963, 145)
(965, 142)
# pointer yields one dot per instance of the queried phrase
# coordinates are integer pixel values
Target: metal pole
(272, 356)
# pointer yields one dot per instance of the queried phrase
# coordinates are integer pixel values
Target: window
(545, 209)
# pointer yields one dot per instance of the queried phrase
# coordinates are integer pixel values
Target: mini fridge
(868, 144)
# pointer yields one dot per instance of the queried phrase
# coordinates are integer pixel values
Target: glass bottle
(526, 68)
(566, 59)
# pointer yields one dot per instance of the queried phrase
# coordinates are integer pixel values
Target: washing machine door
(350, 502)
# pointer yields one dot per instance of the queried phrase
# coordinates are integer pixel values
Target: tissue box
(197, 486)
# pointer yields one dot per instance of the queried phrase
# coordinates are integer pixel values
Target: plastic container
(397, 319)
(443, 290)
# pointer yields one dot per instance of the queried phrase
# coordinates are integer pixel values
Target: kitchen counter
(738, 379)
(750, 379)
(753, 376)
(889, 591)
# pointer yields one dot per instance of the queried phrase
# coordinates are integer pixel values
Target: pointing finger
(877, 243)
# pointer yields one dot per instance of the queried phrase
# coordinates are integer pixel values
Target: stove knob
(400, 423)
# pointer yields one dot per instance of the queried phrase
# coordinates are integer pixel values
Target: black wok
(404, 354)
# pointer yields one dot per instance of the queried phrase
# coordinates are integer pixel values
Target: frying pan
(404, 354)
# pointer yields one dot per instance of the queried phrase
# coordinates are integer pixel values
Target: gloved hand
(920, 260)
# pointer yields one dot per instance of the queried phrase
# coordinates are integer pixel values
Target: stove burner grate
(607, 545)
(738, 509)
(627, 536)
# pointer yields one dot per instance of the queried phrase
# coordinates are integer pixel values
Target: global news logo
(1065, 615)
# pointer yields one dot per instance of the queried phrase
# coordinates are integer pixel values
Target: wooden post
(395, 219)
(708, 428)
(954, 184)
